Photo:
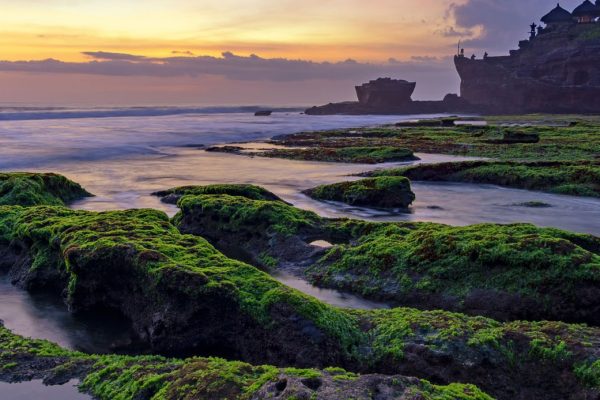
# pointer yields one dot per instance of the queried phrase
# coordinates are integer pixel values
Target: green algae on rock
(184, 296)
(347, 154)
(508, 272)
(383, 192)
(566, 142)
(245, 190)
(115, 377)
(572, 178)
(180, 293)
(30, 189)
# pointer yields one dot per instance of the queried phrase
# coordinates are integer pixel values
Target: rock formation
(554, 71)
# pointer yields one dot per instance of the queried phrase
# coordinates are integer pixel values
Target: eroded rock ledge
(183, 296)
(381, 192)
(508, 272)
(150, 377)
(579, 178)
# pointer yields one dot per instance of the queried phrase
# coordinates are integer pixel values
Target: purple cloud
(230, 66)
(504, 22)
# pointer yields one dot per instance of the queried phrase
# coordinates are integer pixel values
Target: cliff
(556, 71)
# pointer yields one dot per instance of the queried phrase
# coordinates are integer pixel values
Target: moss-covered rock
(508, 272)
(383, 192)
(30, 189)
(573, 178)
(253, 192)
(264, 233)
(559, 140)
(345, 154)
(179, 292)
(113, 377)
(182, 295)
(513, 137)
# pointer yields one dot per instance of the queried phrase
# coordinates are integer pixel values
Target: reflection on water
(329, 296)
(44, 316)
(36, 390)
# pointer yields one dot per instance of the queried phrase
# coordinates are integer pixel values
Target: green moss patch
(249, 191)
(454, 261)
(114, 377)
(239, 213)
(572, 178)
(30, 189)
(508, 272)
(137, 262)
(350, 154)
(384, 192)
(558, 139)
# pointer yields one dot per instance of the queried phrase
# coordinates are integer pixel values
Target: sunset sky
(243, 51)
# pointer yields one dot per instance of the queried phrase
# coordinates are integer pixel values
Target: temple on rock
(557, 70)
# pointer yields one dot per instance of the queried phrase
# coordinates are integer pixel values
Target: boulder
(381, 192)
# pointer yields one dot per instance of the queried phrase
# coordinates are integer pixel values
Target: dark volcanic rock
(450, 104)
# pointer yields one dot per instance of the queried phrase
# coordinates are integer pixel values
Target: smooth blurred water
(36, 390)
(45, 316)
(329, 296)
(26, 144)
(123, 159)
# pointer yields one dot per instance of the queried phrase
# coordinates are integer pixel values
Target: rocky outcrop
(145, 378)
(29, 189)
(253, 192)
(380, 192)
(577, 178)
(554, 72)
(429, 266)
(450, 104)
(385, 92)
(181, 296)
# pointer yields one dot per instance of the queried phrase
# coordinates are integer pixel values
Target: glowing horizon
(301, 47)
(332, 30)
